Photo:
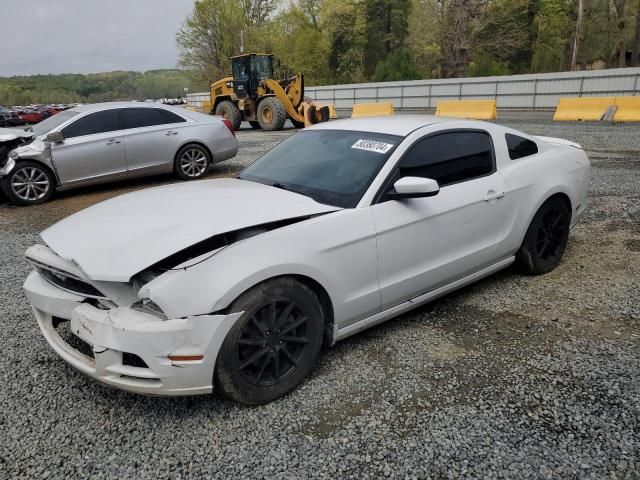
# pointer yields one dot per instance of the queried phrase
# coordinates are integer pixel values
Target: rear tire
(29, 183)
(274, 345)
(229, 110)
(192, 162)
(546, 238)
(271, 114)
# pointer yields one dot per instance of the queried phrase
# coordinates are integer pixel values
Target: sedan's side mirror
(55, 137)
(414, 187)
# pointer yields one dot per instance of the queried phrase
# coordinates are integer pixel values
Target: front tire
(274, 344)
(228, 109)
(546, 238)
(271, 114)
(192, 162)
(29, 183)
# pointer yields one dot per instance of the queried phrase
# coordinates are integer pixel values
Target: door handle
(171, 133)
(113, 141)
(493, 195)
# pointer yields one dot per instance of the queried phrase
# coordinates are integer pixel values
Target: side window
(450, 157)
(99, 122)
(148, 117)
(520, 147)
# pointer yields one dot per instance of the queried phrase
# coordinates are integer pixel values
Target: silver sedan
(105, 142)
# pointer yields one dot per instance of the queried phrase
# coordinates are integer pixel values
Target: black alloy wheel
(546, 237)
(273, 346)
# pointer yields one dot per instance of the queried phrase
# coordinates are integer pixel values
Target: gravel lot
(514, 377)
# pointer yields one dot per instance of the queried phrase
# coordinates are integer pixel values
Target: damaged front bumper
(129, 349)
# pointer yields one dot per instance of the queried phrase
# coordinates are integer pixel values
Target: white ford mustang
(238, 282)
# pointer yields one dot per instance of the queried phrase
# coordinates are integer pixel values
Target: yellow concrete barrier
(191, 108)
(371, 109)
(206, 106)
(476, 109)
(582, 108)
(627, 109)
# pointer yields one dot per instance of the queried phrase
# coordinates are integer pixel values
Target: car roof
(102, 106)
(393, 124)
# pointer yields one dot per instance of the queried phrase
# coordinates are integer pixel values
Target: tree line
(98, 87)
(346, 41)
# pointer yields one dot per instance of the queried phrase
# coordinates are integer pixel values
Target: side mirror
(414, 187)
(55, 137)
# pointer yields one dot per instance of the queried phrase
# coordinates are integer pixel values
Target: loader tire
(271, 114)
(229, 110)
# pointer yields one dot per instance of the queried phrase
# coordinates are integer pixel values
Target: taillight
(227, 122)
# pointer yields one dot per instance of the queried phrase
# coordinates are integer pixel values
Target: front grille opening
(70, 284)
(63, 328)
(133, 360)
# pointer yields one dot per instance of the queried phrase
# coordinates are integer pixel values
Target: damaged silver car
(106, 142)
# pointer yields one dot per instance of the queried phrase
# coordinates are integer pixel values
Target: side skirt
(385, 315)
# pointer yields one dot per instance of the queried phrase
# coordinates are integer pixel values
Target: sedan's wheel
(192, 162)
(274, 345)
(546, 238)
(29, 183)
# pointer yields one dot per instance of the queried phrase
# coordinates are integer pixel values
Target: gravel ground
(513, 377)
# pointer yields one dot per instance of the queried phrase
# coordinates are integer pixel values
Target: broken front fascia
(114, 333)
(16, 144)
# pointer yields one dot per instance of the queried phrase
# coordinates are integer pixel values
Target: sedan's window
(334, 167)
(520, 147)
(148, 117)
(99, 122)
(52, 122)
(450, 157)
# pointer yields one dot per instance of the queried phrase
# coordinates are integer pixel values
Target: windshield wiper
(287, 188)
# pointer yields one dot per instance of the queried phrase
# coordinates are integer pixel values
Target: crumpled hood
(8, 134)
(115, 239)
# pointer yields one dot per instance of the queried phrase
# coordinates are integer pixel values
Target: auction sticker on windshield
(372, 146)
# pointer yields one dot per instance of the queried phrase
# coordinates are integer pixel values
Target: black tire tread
(280, 114)
(224, 378)
(233, 113)
(5, 183)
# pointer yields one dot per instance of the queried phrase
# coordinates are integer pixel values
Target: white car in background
(105, 142)
(236, 283)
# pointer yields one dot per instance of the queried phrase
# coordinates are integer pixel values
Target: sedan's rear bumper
(113, 337)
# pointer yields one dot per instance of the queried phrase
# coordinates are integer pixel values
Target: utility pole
(576, 39)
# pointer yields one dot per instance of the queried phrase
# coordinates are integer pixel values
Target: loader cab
(248, 71)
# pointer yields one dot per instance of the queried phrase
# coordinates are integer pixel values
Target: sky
(89, 36)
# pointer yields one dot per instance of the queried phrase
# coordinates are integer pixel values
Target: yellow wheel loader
(252, 95)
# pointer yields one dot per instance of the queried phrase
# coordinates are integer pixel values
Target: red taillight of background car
(227, 122)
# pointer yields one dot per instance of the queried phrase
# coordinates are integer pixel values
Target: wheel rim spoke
(272, 343)
(30, 183)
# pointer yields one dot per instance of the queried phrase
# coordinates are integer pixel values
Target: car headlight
(148, 306)
(7, 166)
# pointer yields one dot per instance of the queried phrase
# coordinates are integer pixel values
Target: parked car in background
(5, 119)
(15, 119)
(30, 116)
(236, 283)
(111, 141)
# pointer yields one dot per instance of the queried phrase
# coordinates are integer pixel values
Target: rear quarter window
(520, 147)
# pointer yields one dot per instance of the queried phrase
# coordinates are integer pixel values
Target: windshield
(334, 167)
(52, 122)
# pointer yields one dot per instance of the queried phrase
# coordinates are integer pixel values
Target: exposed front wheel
(29, 183)
(546, 238)
(271, 114)
(192, 162)
(228, 109)
(274, 345)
